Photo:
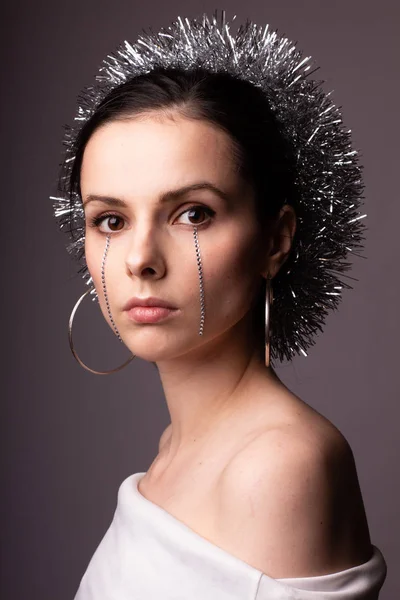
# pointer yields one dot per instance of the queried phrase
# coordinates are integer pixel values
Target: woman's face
(152, 249)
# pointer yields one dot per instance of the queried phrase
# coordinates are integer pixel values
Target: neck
(214, 383)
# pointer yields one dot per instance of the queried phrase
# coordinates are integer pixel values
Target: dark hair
(236, 106)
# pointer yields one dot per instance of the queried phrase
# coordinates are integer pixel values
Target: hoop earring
(109, 313)
(72, 345)
(269, 298)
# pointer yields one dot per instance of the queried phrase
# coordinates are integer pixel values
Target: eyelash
(96, 221)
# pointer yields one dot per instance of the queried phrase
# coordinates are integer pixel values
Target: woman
(198, 204)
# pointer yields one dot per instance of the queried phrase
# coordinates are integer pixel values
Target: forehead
(143, 156)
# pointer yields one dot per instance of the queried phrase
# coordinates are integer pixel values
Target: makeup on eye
(97, 220)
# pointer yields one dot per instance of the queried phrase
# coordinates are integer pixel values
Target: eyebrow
(169, 196)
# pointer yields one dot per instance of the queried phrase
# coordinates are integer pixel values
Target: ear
(279, 241)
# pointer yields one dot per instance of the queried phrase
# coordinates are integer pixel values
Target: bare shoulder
(292, 499)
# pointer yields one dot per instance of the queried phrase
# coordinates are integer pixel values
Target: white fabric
(147, 553)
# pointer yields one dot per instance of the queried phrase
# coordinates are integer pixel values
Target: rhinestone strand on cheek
(202, 306)
(104, 287)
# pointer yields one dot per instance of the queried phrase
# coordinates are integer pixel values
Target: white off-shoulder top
(147, 554)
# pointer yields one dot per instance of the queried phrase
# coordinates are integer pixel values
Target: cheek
(94, 252)
(231, 275)
(92, 258)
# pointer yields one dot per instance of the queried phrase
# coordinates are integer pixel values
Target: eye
(96, 221)
(114, 218)
(198, 208)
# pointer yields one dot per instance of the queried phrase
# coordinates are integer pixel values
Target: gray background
(69, 438)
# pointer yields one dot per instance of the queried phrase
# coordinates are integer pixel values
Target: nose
(143, 256)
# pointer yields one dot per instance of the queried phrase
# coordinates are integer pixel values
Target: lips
(150, 314)
(149, 302)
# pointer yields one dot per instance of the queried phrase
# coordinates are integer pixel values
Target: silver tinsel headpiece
(328, 175)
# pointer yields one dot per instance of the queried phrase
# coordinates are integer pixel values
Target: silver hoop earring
(109, 314)
(269, 298)
(199, 264)
(72, 345)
